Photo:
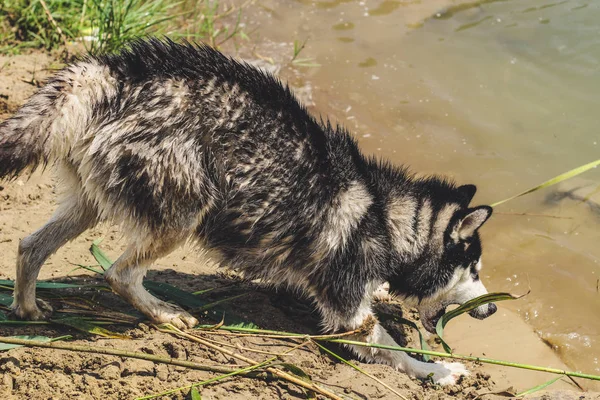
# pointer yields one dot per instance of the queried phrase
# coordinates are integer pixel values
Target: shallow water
(503, 94)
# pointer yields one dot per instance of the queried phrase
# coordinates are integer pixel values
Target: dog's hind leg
(127, 273)
(72, 217)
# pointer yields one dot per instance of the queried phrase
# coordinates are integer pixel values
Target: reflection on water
(504, 94)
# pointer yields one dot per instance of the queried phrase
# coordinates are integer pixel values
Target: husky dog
(178, 142)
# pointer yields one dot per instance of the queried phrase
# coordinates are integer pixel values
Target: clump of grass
(206, 20)
(116, 22)
(106, 25)
(302, 62)
(26, 23)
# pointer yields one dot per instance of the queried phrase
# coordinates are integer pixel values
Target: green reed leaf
(538, 387)
(88, 327)
(5, 299)
(195, 395)
(553, 181)
(404, 321)
(468, 306)
(294, 369)
(100, 256)
(47, 285)
(7, 346)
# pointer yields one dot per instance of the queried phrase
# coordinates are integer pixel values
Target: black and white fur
(178, 142)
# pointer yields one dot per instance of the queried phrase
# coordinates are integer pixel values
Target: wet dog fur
(178, 142)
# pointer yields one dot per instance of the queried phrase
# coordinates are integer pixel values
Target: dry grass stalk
(277, 372)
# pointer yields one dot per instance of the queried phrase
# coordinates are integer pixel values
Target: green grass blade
(422, 340)
(88, 327)
(237, 322)
(216, 303)
(553, 181)
(18, 322)
(415, 351)
(100, 256)
(403, 321)
(198, 305)
(295, 370)
(5, 299)
(199, 292)
(539, 387)
(87, 268)
(7, 346)
(244, 329)
(47, 285)
(195, 395)
(468, 306)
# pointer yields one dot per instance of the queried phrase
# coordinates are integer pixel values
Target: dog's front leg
(372, 332)
(126, 275)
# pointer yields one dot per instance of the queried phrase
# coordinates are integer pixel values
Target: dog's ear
(471, 221)
(467, 192)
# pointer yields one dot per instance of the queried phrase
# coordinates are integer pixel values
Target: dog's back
(176, 141)
(162, 132)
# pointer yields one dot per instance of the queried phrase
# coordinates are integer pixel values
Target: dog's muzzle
(483, 311)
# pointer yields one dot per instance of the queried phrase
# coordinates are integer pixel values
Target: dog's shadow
(268, 307)
(247, 302)
(225, 298)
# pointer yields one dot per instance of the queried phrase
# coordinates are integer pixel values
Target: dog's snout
(484, 311)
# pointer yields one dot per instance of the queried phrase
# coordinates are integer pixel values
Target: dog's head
(439, 263)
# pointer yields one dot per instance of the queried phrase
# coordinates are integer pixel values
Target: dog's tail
(46, 126)
(23, 137)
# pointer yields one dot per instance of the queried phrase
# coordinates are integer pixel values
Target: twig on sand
(116, 352)
(221, 377)
(277, 372)
(264, 333)
(216, 342)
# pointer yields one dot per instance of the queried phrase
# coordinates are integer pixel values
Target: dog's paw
(174, 315)
(38, 311)
(183, 321)
(448, 373)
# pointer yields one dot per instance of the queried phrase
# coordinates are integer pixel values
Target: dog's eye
(474, 272)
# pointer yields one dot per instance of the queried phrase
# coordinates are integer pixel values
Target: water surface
(504, 94)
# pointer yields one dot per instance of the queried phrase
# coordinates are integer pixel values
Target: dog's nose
(484, 311)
